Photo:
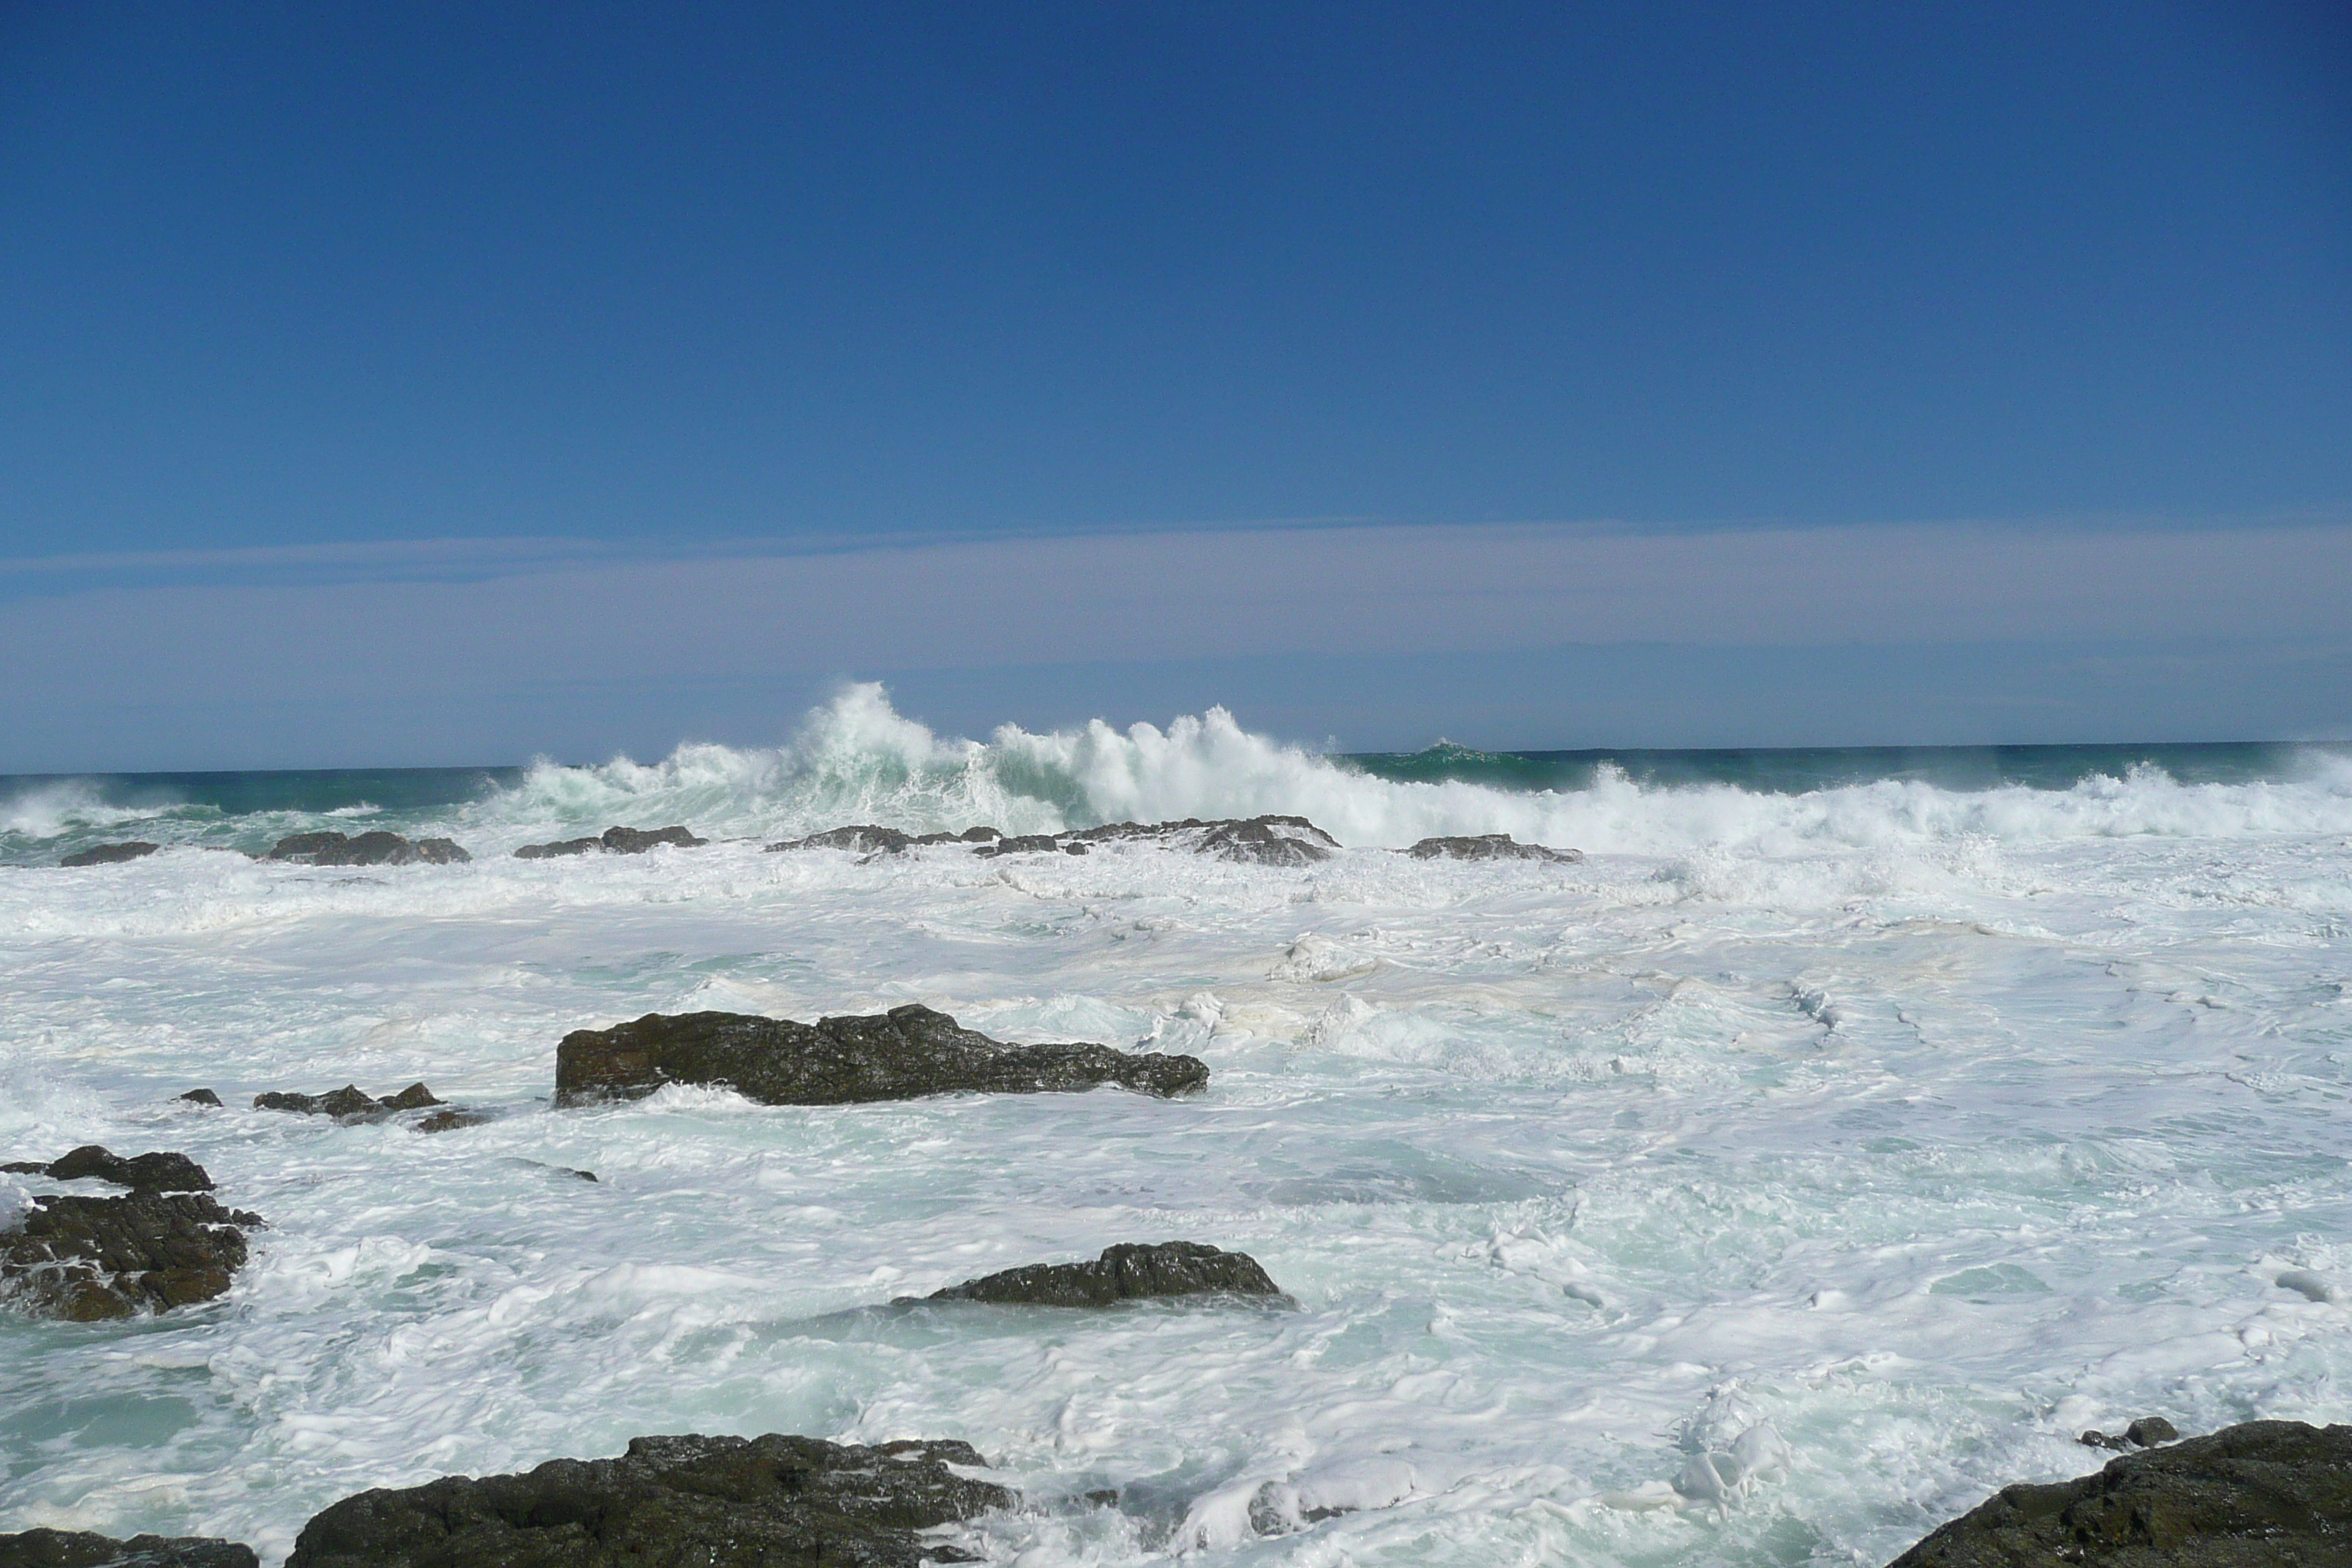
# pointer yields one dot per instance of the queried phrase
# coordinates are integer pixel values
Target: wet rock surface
(201, 1096)
(861, 839)
(1490, 847)
(168, 1172)
(351, 1103)
(79, 1549)
(379, 849)
(88, 1258)
(903, 1054)
(1131, 1271)
(2144, 1433)
(1255, 841)
(671, 1502)
(110, 854)
(2255, 1496)
(613, 841)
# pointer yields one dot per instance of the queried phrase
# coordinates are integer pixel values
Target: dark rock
(1490, 847)
(416, 1096)
(1250, 841)
(613, 841)
(2255, 1496)
(201, 1096)
(351, 1103)
(1023, 843)
(86, 1258)
(450, 1120)
(863, 840)
(1127, 1272)
(377, 849)
(670, 1502)
(969, 836)
(109, 854)
(2150, 1430)
(899, 1055)
(79, 1549)
(161, 1173)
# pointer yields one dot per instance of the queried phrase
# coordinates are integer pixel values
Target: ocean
(1847, 1131)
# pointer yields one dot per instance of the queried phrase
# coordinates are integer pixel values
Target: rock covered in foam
(81, 1549)
(160, 1246)
(1254, 841)
(903, 1054)
(377, 849)
(2254, 1496)
(1131, 1271)
(110, 854)
(672, 1503)
(1490, 847)
(614, 841)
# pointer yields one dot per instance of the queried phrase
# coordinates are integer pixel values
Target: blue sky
(328, 328)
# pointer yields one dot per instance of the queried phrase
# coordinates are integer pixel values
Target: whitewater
(1769, 1187)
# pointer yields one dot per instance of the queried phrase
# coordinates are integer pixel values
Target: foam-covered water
(1768, 1188)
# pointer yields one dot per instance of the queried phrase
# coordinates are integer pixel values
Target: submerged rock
(2254, 1496)
(201, 1096)
(670, 1502)
(109, 854)
(87, 1259)
(377, 849)
(1127, 1272)
(1032, 844)
(169, 1172)
(1490, 847)
(613, 841)
(79, 1549)
(861, 839)
(352, 1103)
(899, 1055)
(1256, 841)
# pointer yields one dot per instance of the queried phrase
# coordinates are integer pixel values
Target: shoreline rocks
(1254, 841)
(109, 854)
(904, 1054)
(351, 1104)
(165, 1244)
(613, 841)
(1490, 847)
(1131, 1271)
(669, 1502)
(81, 1549)
(2252, 1496)
(377, 849)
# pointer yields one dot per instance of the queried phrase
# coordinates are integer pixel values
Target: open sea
(1845, 1134)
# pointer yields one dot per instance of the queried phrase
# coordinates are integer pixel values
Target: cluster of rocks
(351, 1103)
(904, 1054)
(613, 841)
(378, 849)
(1256, 841)
(81, 1549)
(165, 1243)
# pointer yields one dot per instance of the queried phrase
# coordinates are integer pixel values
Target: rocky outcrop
(903, 1054)
(864, 838)
(378, 849)
(2256, 1496)
(165, 1244)
(79, 1549)
(671, 1502)
(109, 854)
(1490, 847)
(159, 1172)
(201, 1096)
(1032, 844)
(1127, 1272)
(1255, 841)
(613, 841)
(351, 1103)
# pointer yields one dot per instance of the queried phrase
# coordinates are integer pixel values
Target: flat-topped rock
(903, 1054)
(672, 1503)
(88, 1258)
(109, 854)
(81, 1549)
(167, 1172)
(378, 849)
(614, 841)
(1490, 847)
(2261, 1495)
(1131, 1271)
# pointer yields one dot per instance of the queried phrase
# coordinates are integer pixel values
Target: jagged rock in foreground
(2262, 1495)
(79, 1549)
(1490, 847)
(613, 841)
(168, 1172)
(378, 849)
(86, 1258)
(1127, 1272)
(670, 1502)
(109, 854)
(903, 1054)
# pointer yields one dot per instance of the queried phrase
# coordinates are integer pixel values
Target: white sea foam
(1770, 1186)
